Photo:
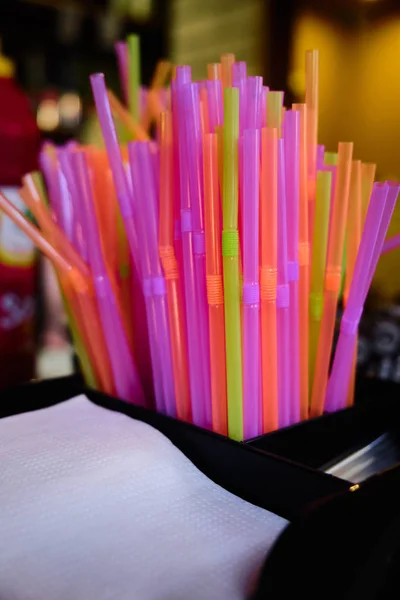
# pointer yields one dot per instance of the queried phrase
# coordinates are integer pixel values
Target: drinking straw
(133, 127)
(312, 83)
(291, 136)
(204, 112)
(304, 258)
(320, 156)
(215, 104)
(331, 159)
(320, 244)
(254, 93)
(134, 74)
(115, 158)
(282, 300)
(274, 111)
(74, 285)
(352, 240)
(239, 81)
(197, 383)
(30, 195)
(214, 71)
(268, 277)
(332, 276)
(121, 51)
(215, 294)
(391, 244)
(126, 378)
(227, 61)
(171, 272)
(251, 286)
(264, 106)
(195, 176)
(230, 254)
(367, 177)
(145, 200)
(376, 223)
(49, 162)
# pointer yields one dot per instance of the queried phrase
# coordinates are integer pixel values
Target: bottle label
(16, 248)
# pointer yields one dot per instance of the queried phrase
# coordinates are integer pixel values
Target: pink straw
(264, 106)
(114, 156)
(251, 287)
(126, 377)
(215, 106)
(194, 156)
(239, 81)
(254, 90)
(197, 384)
(282, 299)
(291, 128)
(391, 244)
(145, 200)
(380, 210)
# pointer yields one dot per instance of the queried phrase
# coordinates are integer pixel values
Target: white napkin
(97, 506)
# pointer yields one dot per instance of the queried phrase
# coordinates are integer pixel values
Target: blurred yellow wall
(359, 100)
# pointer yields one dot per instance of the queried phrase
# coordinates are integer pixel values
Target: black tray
(319, 442)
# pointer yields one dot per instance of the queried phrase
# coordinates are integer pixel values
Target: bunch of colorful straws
(203, 267)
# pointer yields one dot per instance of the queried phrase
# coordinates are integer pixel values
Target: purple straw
(282, 299)
(239, 81)
(114, 156)
(195, 171)
(215, 105)
(264, 106)
(254, 93)
(183, 77)
(145, 196)
(376, 223)
(291, 128)
(124, 370)
(251, 287)
(320, 157)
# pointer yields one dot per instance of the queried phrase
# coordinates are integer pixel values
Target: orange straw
(171, 272)
(312, 64)
(214, 281)
(367, 178)
(77, 290)
(268, 277)
(214, 71)
(304, 266)
(204, 114)
(125, 117)
(227, 61)
(332, 276)
(353, 237)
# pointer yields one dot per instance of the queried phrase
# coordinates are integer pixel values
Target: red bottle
(19, 143)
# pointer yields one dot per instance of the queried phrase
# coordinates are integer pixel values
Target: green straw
(320, 244)
(134, 75)
(331, 158)
(230, 253)
(274, 110)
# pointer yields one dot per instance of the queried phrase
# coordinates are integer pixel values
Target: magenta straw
(122, 60)
(291, 128)
(371, 243)
(391, 244)
(264, 106)
(183, 77)
(320, 157)
(52, 182)
(145, 194)
(251, 286)
(126, 377)
(254, 93)
(144, 197)
(215, 105)
(194, 157)
(282, 299)
(239, 81)
(114, 156)
(77, 236)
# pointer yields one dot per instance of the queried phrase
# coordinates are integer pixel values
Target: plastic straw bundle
(202, 263)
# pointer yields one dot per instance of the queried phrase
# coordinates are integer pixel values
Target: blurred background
(56, 44)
